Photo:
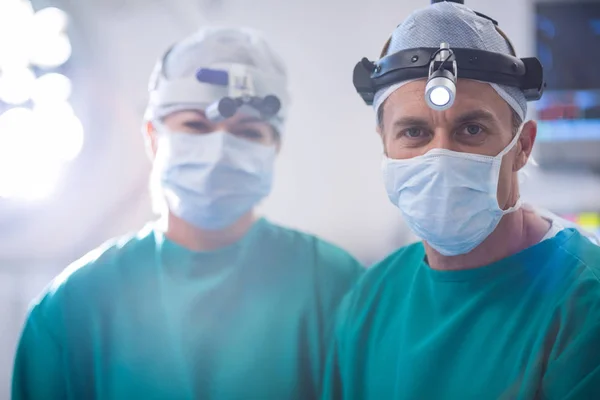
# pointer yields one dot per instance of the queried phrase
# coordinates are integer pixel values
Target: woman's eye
(198, 126)
(249, 133)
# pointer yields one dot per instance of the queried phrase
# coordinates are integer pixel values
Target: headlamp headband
(503, 69)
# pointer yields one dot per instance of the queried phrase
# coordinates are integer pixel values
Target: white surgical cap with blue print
(460, 27)
(219, 48)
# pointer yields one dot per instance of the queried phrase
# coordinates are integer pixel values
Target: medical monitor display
(568, 45)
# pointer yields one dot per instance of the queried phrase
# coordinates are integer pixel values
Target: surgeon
(495, 302)
(211, 302)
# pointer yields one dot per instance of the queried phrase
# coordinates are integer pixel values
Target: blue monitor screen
(568, 45)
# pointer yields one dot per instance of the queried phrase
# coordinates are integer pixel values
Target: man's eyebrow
(410, 121)
(476, 115)
(469, 116)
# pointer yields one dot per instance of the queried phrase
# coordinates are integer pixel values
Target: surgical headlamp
(240, 83)
(442, 66)
(221, 90)
(440, 91)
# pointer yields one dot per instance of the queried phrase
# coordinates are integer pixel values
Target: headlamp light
(440, 91)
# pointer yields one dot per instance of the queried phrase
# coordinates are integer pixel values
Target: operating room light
(41, 132)
(27, 37)
(15, 28)
(50, 20)
(61, 130)
(16, 85)
(51, 87)
(26, 170)
(50, 46)
(51, 51)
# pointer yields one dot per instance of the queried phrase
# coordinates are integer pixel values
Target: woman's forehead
(198, 114)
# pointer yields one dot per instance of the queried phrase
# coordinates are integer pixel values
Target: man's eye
(413, 133)
(472, 130)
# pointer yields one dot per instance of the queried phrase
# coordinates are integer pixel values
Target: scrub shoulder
(96, 274)
(560, 281)
(126, 260)
(575, 262)
(308, 277)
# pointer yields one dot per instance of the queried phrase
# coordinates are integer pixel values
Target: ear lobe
(521, 157)
(149, 132)
(148, 128)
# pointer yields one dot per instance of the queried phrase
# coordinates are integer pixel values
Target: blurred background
(73, 79)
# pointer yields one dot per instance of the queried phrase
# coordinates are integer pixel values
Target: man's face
(479, 122)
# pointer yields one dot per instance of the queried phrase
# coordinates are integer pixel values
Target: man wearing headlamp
(496, 302)
(212, 302)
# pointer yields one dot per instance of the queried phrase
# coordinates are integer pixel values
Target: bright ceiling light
(63, 132)
(16, 85)
(16, 18)
(50, 88)
(25, 172)
(51, 51)
(34, 144)
(50, 21)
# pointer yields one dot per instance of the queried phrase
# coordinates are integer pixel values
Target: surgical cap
(460, 27)
(218, 48)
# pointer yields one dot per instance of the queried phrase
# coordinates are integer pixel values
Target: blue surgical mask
(448, 199)
(211, 180)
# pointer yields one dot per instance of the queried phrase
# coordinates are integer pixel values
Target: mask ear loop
(528, 169)
(499, 157)
(511, 145)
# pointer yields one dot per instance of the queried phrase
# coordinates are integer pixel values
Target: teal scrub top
(144, 318)
(526, 327)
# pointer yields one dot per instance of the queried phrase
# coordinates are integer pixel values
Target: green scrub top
(525, 327)
(144, 318)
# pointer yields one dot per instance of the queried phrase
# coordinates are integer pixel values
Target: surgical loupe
(226, 107)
